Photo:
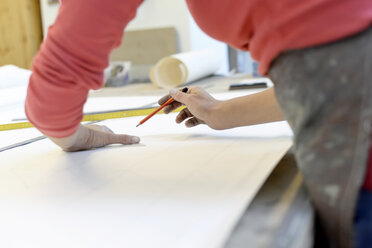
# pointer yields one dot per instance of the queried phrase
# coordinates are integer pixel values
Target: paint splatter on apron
(325, 93)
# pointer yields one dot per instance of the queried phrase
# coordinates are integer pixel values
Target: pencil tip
(138, 124)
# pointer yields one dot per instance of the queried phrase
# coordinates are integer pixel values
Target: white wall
(201, 41)
(161, 13)
(164, 13)
(48, 14)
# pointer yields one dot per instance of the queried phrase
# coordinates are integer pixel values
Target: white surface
(12, 101)
(48, 14)
(164, 13)
(12, 76)
(13, 89)
(94, 104)
(97, 104)
(12, 137)
(201, 40)
(178, 188)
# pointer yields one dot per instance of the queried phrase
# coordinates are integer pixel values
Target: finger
(122, 139)
(99, 139)
(171, 107)
(167, 109)
(164, 99)
(183, 115)
(179, 96)
(192, 122)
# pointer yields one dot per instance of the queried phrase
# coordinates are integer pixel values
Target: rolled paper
(179, 69)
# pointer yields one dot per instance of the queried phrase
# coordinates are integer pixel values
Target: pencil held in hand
(170, 100)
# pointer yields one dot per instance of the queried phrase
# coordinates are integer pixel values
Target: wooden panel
(146, 46)
(20, 31)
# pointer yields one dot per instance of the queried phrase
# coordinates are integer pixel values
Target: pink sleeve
(72, 59)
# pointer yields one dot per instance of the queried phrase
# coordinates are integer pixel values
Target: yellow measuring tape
(99, 116)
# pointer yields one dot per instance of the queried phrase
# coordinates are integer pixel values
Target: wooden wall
(20, 31)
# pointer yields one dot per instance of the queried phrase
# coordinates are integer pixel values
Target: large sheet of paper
(12, 102)
(12, 76)
(178, 188)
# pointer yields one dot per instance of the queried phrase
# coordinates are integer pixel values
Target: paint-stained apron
(325, 93)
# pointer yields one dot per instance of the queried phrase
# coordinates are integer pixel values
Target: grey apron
(325, 93)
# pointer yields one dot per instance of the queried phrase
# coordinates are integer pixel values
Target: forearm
(249, 110)
(71, 61)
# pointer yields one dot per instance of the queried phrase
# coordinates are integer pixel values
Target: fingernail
(135, 140)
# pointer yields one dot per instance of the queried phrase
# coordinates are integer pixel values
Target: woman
(317, 52)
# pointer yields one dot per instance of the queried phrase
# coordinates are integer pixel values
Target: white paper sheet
(95, 104)
(178, 188)
(15, 136)
(12, 76)
(12, 102)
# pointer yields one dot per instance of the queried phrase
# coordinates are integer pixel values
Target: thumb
(179, 96)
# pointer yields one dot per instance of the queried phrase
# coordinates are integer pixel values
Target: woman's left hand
(93, 136)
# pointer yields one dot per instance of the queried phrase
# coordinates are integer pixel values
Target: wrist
(67, 142)
(218, 116)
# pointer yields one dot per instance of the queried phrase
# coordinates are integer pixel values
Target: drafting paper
(179, 187)
(12, 102)
(15, 136)
(12, 76)
(96, 104)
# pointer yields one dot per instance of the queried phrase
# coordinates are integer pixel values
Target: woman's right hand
(201, 108)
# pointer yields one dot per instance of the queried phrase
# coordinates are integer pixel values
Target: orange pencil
(170, 100)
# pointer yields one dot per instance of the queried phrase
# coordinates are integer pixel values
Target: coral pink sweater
(72, 58)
